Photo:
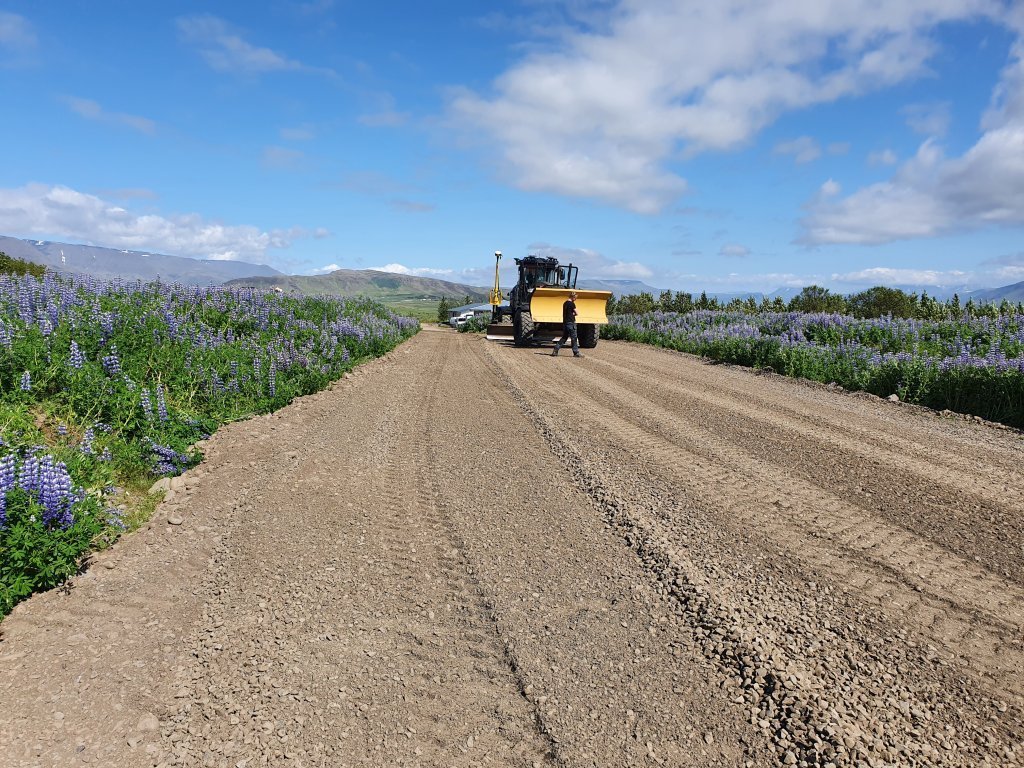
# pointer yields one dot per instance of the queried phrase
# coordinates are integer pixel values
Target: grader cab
(533, 313)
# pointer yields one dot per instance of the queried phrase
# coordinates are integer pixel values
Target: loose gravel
(469, 554)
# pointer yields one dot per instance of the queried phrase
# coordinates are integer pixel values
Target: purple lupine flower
(168, 460)
(76, 359)
(50, 484)
(115, 519)
(26, 382)
(111, 362)
(7, 482)
(62, 430)
(161, 404)
(86, 445)
(147, 405)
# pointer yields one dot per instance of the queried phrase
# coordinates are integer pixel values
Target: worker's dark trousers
(570, 333)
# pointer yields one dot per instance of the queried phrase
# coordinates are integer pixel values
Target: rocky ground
(467, 554)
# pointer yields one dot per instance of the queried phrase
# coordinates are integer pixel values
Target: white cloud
(593, 264)
(58, 211)
(92, 110)
(16, 32)
(930, 119)
(604, 111)
(903, 276)
(803, 150)
(442, 274)
(883, 157)
(225, 50)
(325, 269)
(932, 195)
(735, 282)
(734, 250)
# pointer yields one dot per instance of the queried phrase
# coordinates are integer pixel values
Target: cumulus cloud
(605, 111)
(735, 282)
(734, 250)
(930, 119)
(325, 269)
(932, 194)
(803, 150)
(16, 32)
(903, 276)
(58, 211)
(468, 276)
(225, 50)
(593, 264)
(92, 110)
(882, 157)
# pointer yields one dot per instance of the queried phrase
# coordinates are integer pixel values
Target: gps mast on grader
(535, 304)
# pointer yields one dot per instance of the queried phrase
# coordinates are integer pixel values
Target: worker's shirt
(569, 312)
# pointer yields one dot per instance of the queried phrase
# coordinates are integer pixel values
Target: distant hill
(110, 263)
(1014, 293)
(385, 286)
(619, 287)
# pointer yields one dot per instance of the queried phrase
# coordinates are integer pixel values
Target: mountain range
(367, 282)
(110, 263)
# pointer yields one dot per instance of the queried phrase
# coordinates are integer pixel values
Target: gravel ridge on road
(468, 554)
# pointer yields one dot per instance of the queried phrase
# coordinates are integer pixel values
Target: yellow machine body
(546, 305)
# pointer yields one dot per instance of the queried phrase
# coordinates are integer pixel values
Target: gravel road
(467, 554)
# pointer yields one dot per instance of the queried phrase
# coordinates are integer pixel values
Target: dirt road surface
(467, 554)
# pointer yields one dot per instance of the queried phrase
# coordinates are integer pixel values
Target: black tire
(587, 335)
(522, 328)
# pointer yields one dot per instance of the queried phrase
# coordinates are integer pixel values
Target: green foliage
(476, 324)
(880, 301)
(965, 365)
(12, 266)
(814, 298)
(442, 310)
(119, 382)
(35, 556)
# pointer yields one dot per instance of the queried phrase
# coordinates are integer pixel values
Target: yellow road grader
(533, 313)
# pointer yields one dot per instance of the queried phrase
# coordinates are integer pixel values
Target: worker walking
(569, 323)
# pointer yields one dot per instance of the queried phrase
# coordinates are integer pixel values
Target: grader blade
(500, 332)
(546, 305)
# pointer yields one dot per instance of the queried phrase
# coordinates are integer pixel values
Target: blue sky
(727, 146)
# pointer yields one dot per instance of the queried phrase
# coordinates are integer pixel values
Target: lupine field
(105, 387)
(969, 364)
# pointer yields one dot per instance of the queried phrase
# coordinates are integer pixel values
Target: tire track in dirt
(871, 472)
(832, 658)
(607, 664)
(953, 600)
(860, 417)
(403, 661)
